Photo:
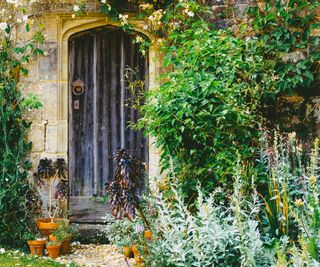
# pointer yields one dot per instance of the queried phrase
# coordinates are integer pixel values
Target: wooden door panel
(99, 125)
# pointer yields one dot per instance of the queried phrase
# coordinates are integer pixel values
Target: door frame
(67, 26)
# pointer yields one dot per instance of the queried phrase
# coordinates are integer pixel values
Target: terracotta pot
(135, 251)
(139, 262)
(36, 247)
(46, 227)
(65, 245)
(127, 251)
(148, 235)
(54, 251)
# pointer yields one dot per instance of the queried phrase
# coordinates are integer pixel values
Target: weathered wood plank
(87, 209)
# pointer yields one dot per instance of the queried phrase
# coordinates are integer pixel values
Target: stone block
(36, 136)
(51, 138)
(50, 101)
(35, 158)
(47, 64)
(63, 136)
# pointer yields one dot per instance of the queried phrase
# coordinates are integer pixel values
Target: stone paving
(94, 255)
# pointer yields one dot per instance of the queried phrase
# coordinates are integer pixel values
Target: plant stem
(50, 200)
(138, 208)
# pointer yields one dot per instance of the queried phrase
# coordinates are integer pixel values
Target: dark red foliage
(123, 190)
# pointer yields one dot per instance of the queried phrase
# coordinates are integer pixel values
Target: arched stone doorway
(99, 114)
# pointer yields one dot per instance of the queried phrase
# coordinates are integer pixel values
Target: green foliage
(292, 206)
(287, 29)
(215, 235)
(15, 258)
(206, 112)
(118, 232)
(64, 231)
(18, 200)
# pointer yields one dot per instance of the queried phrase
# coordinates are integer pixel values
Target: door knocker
(78, 87)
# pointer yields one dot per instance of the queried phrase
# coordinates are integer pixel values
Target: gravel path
(93, 255)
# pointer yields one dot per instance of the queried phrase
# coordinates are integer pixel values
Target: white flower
(3, 26)
(25, 18)
(123, 19)
(2, 250)
(12, 1)
(190, 14)
(139, 39)
(76, 8)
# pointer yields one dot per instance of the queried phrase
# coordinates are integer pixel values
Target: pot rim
(37, 242)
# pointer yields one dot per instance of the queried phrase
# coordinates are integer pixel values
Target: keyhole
(76, 104)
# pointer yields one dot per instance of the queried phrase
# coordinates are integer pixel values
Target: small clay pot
(148, 235)
(54, 250)
(65, 245)
(139, 262)
(135, 251)
(127, 251)
(36, 247)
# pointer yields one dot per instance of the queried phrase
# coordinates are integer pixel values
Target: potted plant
(52, 176)
(124, 191)
(36, 243)
(148, 234)
(125, 244)
(63, 234)
(53, 248)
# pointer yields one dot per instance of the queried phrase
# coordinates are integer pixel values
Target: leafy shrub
(212, 236)
(206, 111)
(118, 232)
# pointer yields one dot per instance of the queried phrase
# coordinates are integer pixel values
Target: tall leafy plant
(54, 176)
(18, 200)
(126, 185)
(292, 200)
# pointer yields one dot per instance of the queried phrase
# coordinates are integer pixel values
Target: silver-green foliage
(118, 232)
(211, 236)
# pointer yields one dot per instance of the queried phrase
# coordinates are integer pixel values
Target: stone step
(91, 233)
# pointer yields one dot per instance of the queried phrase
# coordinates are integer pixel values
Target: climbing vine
(289, 30)
(18, 200)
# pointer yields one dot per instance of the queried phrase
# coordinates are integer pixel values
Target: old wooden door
(100, 108)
